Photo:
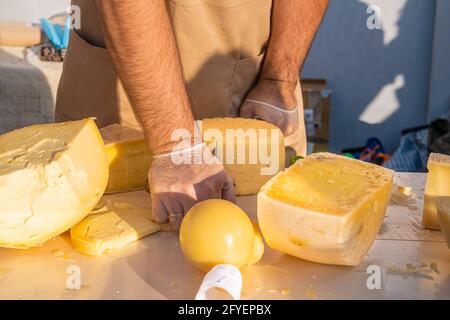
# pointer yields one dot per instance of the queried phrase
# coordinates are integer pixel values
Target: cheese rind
(443, 209)
(111, 226)
(51, 176)
(129, 158)
(437, 185)
(325, 208)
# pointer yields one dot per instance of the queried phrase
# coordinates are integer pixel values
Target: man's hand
(274, 102)
(294, 25)
(175, 188)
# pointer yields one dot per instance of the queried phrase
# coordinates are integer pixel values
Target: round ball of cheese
(219, 232)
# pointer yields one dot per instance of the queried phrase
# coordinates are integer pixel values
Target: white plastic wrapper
(223, 276)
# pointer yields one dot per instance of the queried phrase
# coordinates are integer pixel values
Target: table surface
(414, 264)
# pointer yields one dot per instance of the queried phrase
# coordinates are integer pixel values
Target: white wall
(30, 10)
(380, 78)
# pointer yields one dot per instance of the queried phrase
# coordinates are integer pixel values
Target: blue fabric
(412, 154)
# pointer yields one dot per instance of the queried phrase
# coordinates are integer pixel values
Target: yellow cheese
(252, 151)
(129, 158)
(51, 176)
(438, 184)
(325, 208)
(219, 232)
(443, 209)
(111, 226)
(255, 152)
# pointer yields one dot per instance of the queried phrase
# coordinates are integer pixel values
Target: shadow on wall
(380, 78)
(25, 94)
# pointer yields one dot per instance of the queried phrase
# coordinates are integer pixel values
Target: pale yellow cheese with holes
(325, 208)
(258, 153)
(443, 209)
(252, 151)
(51, 177)
(129, 158)
(112, 226)
(438, 184)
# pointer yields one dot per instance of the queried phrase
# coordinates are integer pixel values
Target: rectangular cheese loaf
(438, 184)
(325, 208)
(252, 152)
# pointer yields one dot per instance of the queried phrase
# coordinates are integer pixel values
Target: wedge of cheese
(252, 152)
(443, 209)
(438, 184)
(129, 158)
(51, 177)
(111, 226)
(325, 208)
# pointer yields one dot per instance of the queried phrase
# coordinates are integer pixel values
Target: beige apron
(221, 45)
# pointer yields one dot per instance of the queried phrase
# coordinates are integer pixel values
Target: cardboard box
(317, 105)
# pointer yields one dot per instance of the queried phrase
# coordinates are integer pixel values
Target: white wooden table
(414, 263)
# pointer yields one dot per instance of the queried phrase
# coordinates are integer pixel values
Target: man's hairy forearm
(294, 25)
(142, 46)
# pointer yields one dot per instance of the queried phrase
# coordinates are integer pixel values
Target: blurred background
(389, 83)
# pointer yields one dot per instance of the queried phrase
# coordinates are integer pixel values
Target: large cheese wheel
(51, 177)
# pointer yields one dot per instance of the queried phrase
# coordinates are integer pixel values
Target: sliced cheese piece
(258, 153)
(111, 226)
(129, 158)
(51, 176)
(443, 209)
(325, 208)
(438, 184)
(252, 151)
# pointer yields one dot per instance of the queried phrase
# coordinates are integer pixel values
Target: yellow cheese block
(443, 209)
(255, 153)
(325, 208)
(129, 158)
(111, 226)
(252, 151)
(51, 176)
(438, 184)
